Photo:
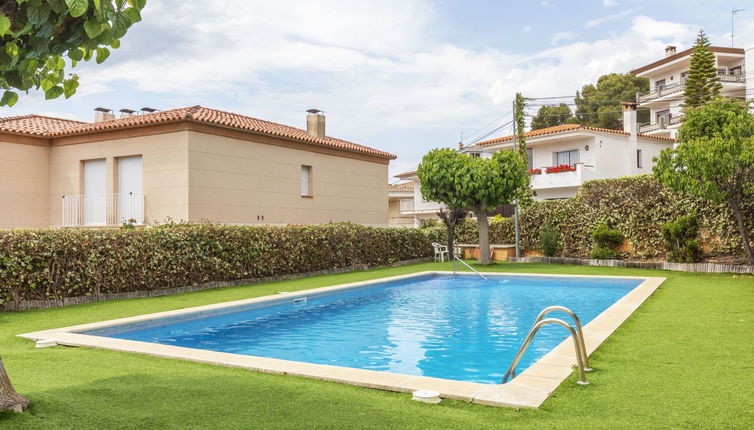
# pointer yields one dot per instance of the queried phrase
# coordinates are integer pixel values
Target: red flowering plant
(561, 168)
(535, 171)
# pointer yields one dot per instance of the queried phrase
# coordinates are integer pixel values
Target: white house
(563, 157)
(667, 80)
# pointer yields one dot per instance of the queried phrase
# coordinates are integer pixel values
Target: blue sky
(403, 76)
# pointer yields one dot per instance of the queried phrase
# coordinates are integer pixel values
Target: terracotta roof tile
(404, 174)
(564, 128)
(54, 127)
(36, 125)
(406, 187)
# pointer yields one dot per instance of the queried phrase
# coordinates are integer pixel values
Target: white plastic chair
(441, 251)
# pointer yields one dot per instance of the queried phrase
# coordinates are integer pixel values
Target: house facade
(667, 81)
(398, 195)
(563, 157)
(189, 164)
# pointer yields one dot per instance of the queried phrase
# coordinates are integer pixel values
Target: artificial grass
(683, 360)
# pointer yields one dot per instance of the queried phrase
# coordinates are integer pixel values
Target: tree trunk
(484, 234)
(9, 398)
(742, 230)
(451, 240)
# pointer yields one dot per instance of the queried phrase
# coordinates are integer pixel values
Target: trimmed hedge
(52, 264)
(637, 206)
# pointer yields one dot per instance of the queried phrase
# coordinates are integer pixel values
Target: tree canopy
(715, 160)
(599, 105)
(37, 35)
(702, 82)
(475, 184)
(550, 116)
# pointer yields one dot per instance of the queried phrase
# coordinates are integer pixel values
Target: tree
(715, 160)
(550, 116)
(702, 82)
(475, 184)
(599, 105)
(38, 34)
(9, 398)
(451, 218)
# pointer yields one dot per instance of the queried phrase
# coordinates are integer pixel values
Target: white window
(306, 181)
(566, 157)
(638, 159)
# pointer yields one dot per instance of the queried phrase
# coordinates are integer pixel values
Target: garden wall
(636, 206)
(55, 264)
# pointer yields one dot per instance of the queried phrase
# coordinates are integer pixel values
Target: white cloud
(526, 29)
(609, 3)
(562, 36)
(608, 18)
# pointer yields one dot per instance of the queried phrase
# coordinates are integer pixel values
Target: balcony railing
(103, 209)
(410, 207)
(563, 178)
(680, 86)
(661, 124)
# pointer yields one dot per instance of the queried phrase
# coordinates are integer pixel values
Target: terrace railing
(102, 209)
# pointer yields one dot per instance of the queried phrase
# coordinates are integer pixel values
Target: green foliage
(38, 34)
(702, 82)
(463, 182)
(680, 240)
(638, 206)
(599, 105)
(606, 241)
(550, 240)
(715, 162)
(550, 116)
(44, 264)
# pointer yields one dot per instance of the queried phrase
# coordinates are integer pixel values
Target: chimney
(630, 124)
(315, 123)
(669, 50)
(103, 114)
(125, 113)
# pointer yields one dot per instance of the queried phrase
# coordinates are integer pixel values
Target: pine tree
(702, 82)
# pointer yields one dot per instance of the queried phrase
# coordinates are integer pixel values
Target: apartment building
(192, 164)
(667, 81)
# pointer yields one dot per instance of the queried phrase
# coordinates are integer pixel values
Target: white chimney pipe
(630, 120)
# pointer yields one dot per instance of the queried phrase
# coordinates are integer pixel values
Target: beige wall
(236, 181)
(395, 219)
(165, 174)
(24, 185)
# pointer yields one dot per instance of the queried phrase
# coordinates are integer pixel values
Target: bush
(549, 239)
(46, 264)
(606, 241)
(680, 240)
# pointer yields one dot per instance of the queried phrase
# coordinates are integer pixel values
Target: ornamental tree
(702, 82)
(475, 184)
(715, 160)
(38, 35)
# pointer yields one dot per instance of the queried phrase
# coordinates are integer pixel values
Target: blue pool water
(452, 327)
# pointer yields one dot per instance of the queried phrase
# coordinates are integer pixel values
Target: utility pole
(515, 202)
(733, 13)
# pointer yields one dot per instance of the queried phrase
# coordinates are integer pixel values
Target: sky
(403, 76)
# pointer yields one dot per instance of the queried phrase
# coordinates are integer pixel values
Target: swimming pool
(456, 334)
(453, 327)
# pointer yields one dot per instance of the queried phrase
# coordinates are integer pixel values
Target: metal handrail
(579, 329)
(535, 328)
(464, 263)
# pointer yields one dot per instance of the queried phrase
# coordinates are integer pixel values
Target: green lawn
(685, 359)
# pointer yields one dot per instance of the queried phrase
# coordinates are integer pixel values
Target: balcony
(567, 179)
(101, 210)
(675, 89)
(662, 125)
(410, 207)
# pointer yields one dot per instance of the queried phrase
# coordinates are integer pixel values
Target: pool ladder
(578, 342)
(455, 257)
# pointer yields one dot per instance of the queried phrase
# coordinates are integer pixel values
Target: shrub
(550, 240)
(46, 264)
(680, 240)
(606, 241)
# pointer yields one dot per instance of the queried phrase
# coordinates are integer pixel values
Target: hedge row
(636, 206)
(52, 264)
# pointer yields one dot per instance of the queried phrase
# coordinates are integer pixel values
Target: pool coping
(529, 389)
